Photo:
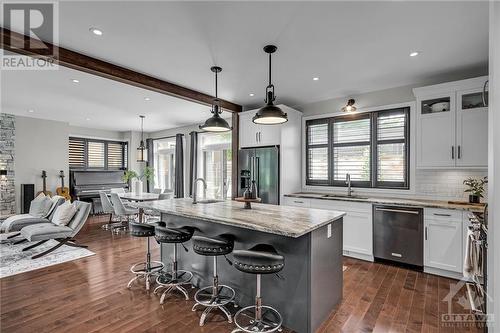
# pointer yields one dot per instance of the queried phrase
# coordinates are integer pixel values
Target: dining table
(139, 197)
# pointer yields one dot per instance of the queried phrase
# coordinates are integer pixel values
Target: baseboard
(356, 255)
(445, 273)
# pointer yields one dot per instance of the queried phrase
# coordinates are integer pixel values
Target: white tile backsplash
(444, 184)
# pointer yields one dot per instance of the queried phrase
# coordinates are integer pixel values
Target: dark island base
(312, 284)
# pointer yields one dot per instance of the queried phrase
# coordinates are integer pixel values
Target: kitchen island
(309, 239)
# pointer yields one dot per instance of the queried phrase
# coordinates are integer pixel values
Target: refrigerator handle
(257, 159)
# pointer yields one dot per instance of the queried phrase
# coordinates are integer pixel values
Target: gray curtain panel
(150, 163)
(193, 161)
(179, 166)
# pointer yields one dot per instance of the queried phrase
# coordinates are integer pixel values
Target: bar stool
(175, 279)
(260, 259)
(146, 269)
(217, 295)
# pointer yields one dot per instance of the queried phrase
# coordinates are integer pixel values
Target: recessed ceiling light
(147, 98)
(251, 94)
(96, 31)
(87, 119)
(75, 81)
(315, 78)
(414, 54)
(31, 110)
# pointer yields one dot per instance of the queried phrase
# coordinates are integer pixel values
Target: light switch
(329, 231)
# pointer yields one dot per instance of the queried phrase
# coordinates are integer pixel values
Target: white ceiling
(352, 47)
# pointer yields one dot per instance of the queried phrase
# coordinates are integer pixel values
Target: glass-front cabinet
(452, 125)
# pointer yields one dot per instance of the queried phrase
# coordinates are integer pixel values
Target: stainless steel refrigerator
(261, 165)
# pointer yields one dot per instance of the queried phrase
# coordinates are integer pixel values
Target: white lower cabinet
(443, 242)
(358, 228)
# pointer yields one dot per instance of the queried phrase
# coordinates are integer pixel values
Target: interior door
(472, 129)
(436, 132)
(267, 174)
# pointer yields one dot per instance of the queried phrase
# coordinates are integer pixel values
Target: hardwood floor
(89, 295)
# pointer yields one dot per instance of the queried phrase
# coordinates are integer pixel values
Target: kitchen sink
(343, 196)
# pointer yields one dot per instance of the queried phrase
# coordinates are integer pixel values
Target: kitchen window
(372, 147)
(97, 154)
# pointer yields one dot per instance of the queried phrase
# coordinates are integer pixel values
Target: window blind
(115, 155)
(351, 149)
(95, 154)
(76, 153)
(317, 151)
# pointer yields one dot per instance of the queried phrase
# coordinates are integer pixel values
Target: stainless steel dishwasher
(398, 234)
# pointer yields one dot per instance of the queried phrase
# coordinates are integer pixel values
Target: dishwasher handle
(414, 212)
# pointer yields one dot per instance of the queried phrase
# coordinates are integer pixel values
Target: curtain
(179, 167)
(150, 163)
(193, 161)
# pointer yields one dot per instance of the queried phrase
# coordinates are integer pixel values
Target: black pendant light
(216, 123)
(270, 114)
(142, 151)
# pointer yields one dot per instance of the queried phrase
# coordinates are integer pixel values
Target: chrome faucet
(348, 183)
(195, 187)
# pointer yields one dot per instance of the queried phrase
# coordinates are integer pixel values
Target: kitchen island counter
(309, 239)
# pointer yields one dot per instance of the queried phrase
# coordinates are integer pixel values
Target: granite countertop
(477, 208)
(281, 220)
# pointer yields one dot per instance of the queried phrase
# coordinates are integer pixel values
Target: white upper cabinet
(472, 129)
(452, 125)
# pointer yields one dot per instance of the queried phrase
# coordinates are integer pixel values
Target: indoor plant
(475, 188)
(136, 180)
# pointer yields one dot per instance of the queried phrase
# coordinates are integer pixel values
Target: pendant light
(142, 151)
(350, 106)
(216, 123)
(270, 114)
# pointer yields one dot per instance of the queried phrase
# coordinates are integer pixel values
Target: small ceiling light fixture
(96, 31)
(87, 119)
(251, 94)
(216, 123)
(315, 78)
(350, 106)
(270, 114)
(31, 110)
(142, 151)
(75, 81)
(414, 54)
(147, 98)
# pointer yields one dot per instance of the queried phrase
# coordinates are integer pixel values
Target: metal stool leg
(145, 269)
(173, 280)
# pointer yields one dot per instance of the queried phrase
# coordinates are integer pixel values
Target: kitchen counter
(309, 239)
(280, 220)
(391, 201)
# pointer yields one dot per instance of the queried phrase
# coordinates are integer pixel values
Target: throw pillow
(64, 213)
(40, 206)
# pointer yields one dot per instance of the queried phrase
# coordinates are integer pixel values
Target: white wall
(494, 167)
(95, 133)
(40, 145)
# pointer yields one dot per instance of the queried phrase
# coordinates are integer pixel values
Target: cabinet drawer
(448, 215)
(297, 202)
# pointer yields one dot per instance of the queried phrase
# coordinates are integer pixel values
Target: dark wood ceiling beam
(81, 62)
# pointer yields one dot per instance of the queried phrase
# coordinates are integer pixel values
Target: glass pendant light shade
(216, 123)
(142, 151)
(270, 114)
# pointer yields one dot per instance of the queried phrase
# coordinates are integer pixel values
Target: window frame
(85, 141)
(373, 143)
(171, 166)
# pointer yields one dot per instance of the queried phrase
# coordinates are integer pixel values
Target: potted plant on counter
(475, 188)
(136, 180)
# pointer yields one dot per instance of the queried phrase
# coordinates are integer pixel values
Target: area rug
(14, 261)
